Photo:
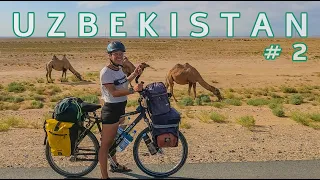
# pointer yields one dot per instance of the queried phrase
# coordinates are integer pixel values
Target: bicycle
(86, 132)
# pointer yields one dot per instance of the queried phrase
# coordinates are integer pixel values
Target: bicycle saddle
(89, 107)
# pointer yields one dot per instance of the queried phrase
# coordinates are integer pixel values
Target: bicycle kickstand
(111, 161)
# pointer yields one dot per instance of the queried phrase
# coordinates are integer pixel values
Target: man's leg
(114, 158)
(121, 168)
(107, 137)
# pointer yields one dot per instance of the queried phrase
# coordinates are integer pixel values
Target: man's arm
(107, 81)
(117, 93)
(132, 76)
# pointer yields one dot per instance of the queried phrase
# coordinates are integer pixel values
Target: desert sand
(235, 66)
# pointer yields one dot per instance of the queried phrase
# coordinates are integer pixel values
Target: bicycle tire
(68, 174)
(157, 174)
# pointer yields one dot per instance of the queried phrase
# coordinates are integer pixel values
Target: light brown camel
(129, 68)
(187, 74)
(60, 65)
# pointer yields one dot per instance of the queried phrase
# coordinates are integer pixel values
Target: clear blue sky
(249, 10)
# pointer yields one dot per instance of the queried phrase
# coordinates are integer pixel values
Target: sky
(274, 10)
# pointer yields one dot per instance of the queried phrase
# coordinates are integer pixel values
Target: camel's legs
(189, 89)
(49, 72)
(167, 83)
(47, 76)
(194, 89)
(62, 76)
(64, 72)
(171, 91)
(171, 83)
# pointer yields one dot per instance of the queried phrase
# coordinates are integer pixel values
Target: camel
(187, 74)
(60, 65)
(129, 68)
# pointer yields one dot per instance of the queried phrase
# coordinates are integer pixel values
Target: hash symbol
(272, 52)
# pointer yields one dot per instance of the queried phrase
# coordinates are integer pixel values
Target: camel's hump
(183, 65)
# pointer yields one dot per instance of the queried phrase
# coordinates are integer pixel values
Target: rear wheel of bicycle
(166, 162)
(80, 164)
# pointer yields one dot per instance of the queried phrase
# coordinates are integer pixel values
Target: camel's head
(78, 75)
(64, 57)
(54, 57)
(217, 93)
(144, 65)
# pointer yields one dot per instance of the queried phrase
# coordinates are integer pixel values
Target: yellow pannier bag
(61, 136)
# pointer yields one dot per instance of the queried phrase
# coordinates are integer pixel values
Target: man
(114, 91)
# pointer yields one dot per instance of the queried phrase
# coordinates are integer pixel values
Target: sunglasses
(117, 53)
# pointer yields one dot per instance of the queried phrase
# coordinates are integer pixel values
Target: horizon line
(4, 37)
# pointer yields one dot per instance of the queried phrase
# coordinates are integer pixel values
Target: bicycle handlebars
(140, 92)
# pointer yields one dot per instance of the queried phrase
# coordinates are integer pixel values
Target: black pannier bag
(165, 128)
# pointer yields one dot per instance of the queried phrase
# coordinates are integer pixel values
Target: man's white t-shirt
(116, 77)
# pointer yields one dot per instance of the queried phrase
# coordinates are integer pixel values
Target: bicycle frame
(141, 110)
(85, 130)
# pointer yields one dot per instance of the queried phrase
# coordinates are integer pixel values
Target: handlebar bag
(157, 98)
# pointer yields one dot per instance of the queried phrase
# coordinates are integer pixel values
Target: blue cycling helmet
(116, 46)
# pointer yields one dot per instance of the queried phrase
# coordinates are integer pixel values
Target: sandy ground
(232, 63)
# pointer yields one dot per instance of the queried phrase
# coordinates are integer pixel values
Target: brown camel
(129, 68)
(60, 65)
(186, 74)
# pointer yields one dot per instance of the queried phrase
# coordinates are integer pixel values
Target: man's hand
(135, 73)
(138, 87)
(138, 70)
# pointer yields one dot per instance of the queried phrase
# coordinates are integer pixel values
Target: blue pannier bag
(165, 128)
(157, 98)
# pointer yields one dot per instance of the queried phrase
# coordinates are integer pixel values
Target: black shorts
(111, 112)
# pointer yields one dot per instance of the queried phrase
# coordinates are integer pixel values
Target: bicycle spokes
(164, 160)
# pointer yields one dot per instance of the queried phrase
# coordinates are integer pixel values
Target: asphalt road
(304, 169)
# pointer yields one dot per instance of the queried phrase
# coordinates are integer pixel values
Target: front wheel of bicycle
(165, 162)
(81, 163)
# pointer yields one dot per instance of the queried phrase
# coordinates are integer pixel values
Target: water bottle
(126, 141)
(119, 131)
(149, 143)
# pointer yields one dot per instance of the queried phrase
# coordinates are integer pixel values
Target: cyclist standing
(114, 90)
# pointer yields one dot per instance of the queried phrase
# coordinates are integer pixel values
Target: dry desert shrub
(185, 124)
(257, 102)
(12, 122)
(207, 117)
(310, 119)
(9, 106)
(233, 101)
(246, 121)
(186, 101)
(296, 99)
(16, 87)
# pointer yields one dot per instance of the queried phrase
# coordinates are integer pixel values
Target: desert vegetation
(20, 95)
(265, 104)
